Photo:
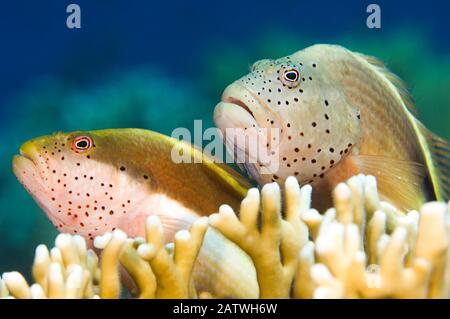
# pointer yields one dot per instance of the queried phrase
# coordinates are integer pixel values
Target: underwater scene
(315, 160)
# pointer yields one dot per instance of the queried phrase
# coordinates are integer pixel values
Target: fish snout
(30, 151)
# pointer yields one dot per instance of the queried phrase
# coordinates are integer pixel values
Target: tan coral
(397, 255)
(274, 247)
(69, 270)
(173, 271)
(66, 271)
(155, 270)
(360, 248)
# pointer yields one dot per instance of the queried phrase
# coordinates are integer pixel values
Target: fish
(324, 114)
(93, 182)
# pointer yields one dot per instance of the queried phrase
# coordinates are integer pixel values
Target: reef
(361, 248)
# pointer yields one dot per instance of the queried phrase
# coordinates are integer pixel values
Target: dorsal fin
(398, 83)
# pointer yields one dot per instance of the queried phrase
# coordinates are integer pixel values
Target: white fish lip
(238, 102)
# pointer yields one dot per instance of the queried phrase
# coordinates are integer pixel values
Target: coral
(396, 255)
(360, 248)
(69, 270)
(274, 246)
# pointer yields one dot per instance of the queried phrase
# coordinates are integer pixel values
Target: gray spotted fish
(338, 114)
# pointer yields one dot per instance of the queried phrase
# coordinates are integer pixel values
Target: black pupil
(291, 75)
(82, 144)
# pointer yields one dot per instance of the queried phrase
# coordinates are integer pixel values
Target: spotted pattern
(308, 115)
(86, 197)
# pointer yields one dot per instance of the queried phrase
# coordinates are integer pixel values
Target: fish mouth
(29, 152)
(238, 102)
(25, 166)
(241, 118)
(237, 109)
(25, 156)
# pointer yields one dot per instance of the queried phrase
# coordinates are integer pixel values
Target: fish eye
(290, 77)
(82, 143)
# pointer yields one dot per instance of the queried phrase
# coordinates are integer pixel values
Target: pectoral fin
(399, 182)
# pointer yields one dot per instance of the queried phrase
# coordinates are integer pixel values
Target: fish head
(84, 181)
(298, 100)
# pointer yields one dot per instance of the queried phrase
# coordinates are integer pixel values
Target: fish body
(89, 183)
(338, 114)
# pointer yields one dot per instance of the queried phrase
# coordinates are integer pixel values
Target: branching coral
(395, 256)
(274, 246)
(361, 248)
(68, 270)
(71, 271)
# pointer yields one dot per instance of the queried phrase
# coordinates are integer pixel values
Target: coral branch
(173, 272)
(275, 245)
